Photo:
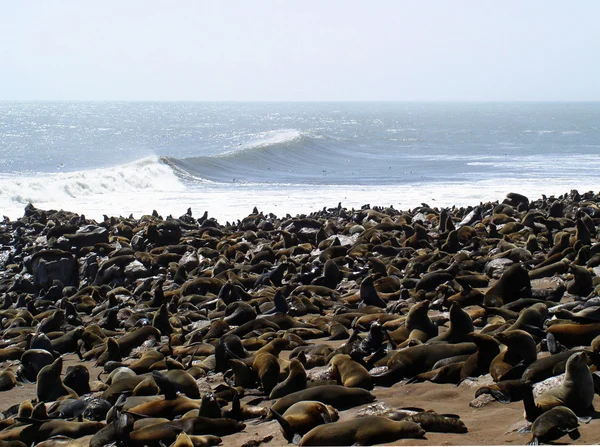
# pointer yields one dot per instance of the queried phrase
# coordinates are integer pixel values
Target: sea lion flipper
(584, 419)
(526, 429)
(534, 441)
(574, 434)
(288, 431)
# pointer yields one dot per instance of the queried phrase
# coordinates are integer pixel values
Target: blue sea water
(119, 158)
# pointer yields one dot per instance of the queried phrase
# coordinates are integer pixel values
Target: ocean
(122, 158)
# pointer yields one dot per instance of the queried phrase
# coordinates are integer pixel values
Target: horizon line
(483, 101)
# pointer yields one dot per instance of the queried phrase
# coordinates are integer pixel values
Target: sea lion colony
(204, 329)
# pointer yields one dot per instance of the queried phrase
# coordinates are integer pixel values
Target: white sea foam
(266, 139)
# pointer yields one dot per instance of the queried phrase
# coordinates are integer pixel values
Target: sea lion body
(368, 430)
(337, 396)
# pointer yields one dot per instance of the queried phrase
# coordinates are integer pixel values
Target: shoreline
(69, 284)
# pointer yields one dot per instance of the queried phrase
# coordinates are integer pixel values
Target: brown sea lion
(337, 396)
(554, 424)
(49, 386)
(368, 430)
(303, 416)
(295, 381)
(576, 391)
(350, 373)
(519, 352)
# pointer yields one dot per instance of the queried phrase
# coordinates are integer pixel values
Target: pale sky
(290, 50)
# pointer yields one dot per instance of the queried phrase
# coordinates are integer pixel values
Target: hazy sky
(300, 50)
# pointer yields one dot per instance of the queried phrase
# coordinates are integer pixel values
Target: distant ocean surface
(121, 158)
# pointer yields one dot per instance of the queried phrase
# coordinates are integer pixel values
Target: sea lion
(519, 352)
(554, 424)
(167, 432)
(77, 378)
(417, 359)
(479, 363)
(350, 373)
(576, 391)
(572, 335)
(513, 284)
(303, 416)
(32, 361)
(49, 386)
(368, 430)
(7, 380)
(337, 396)
(295, 381)
(461, 324)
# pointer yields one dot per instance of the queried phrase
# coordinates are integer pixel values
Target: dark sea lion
(49, 386)
(505, 391)
(337, 396)
(554, 424)
(32, 361)
(77, 378)
(368, 430)
(511, 362)
(303, 416)
(479, 363)
(513, 284)
(431, 421)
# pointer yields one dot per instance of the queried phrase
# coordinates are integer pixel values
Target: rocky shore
(186, 331)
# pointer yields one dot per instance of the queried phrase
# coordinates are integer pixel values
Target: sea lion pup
(367, 430)
(295, 381)
(479, 363)
(576, 391)
(554, 424)
(461, 324)
(350, 373)
(49, 386)
(519, 351)
(432, 421)
(337, 396)
(414, 360)
(513, 284)
(302, 417)
(167, 432)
